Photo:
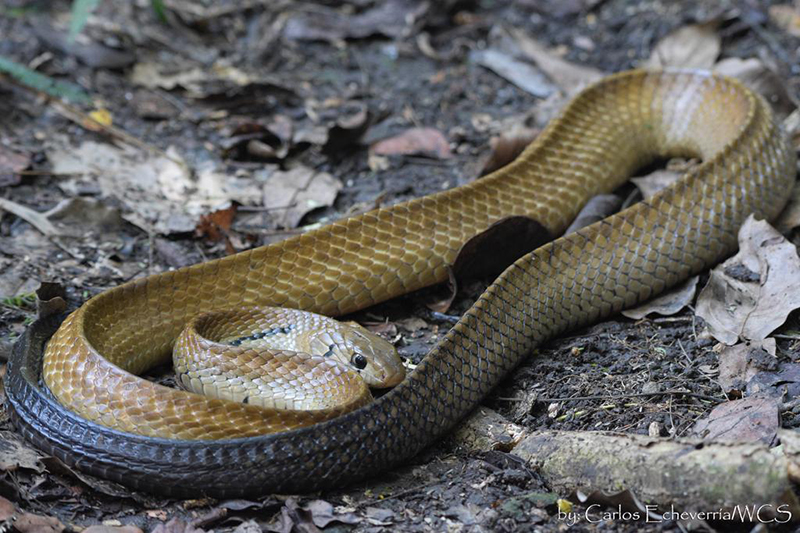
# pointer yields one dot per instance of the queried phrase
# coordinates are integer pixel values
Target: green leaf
(46, 84)
(160, 10)
(81, 9)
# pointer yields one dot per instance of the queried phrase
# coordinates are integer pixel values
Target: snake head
(372, 356)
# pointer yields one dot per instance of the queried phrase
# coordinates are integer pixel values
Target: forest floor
(237, 124)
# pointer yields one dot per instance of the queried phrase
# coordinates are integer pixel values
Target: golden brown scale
(284, 359)
(611, 129)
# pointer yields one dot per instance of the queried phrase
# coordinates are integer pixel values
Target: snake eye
(359, 361)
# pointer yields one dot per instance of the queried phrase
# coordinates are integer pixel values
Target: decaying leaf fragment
(751, 294)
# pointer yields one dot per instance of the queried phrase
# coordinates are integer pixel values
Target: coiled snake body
(614, 127)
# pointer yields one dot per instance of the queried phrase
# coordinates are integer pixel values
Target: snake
(73, 384)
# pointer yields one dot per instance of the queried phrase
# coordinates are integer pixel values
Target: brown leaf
(323, 513)
(11, 164)
(786, 17)
(51, 299)
(693, 46)
(490, 252)
(655, 181)
(348, 128)
(789, 218)
(176, 525)
(739, 363)
(506, 148)
(751, 294)
(668, 303)
(782, 381)
(570, 77)
(415, 141)
(112, 529)
(751, 419)
(216, 226)
(393, 18)
(14, 453)
(293, 193)
(597, 208)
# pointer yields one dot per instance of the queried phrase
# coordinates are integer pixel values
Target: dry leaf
(693, 46)
(393, 18)
(751, 419)
(294, 193)
(506, 148)
(668, 303)
(597, 208)
(14, 453)
(739, 363)
(523, 75)
(159, 191)
(789, 218)
(786, 17)
(751, 294)
(11, 164)
(655, 181)
(780, 382)
(415, 141)
(568, 76)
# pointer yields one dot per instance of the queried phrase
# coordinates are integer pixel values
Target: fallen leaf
(217, 226)
(751, 419)
(176, 525)
(91, 53)
(786, 17)
(348, 128)
(570, 77)
(159, 192)
(666, 304)
(85, 215)
(739, 363)
(754, 74)
(112, 529)
(563, 8)
(506, 148)
(291, 194)
(522, 74)
(14, 454)
(22, 522)
(781, 382)
(393, 18)
(323, 513)
(751, 294)
(789, 218)
(597, 208)
(415, 141)
(655, 182)
(412, 324)
(489, 253)
(693, 46)
(379, 517)
(11, 164)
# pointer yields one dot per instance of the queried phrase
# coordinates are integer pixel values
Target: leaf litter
(208, 198)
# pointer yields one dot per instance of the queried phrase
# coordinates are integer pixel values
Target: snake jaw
(383, 367)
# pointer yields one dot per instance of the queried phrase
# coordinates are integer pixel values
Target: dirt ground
(344, 88)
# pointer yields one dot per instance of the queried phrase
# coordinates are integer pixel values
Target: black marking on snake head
(246, 399)
(330, 351)
(262, 334)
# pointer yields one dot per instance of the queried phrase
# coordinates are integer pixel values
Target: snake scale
(110, 423)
